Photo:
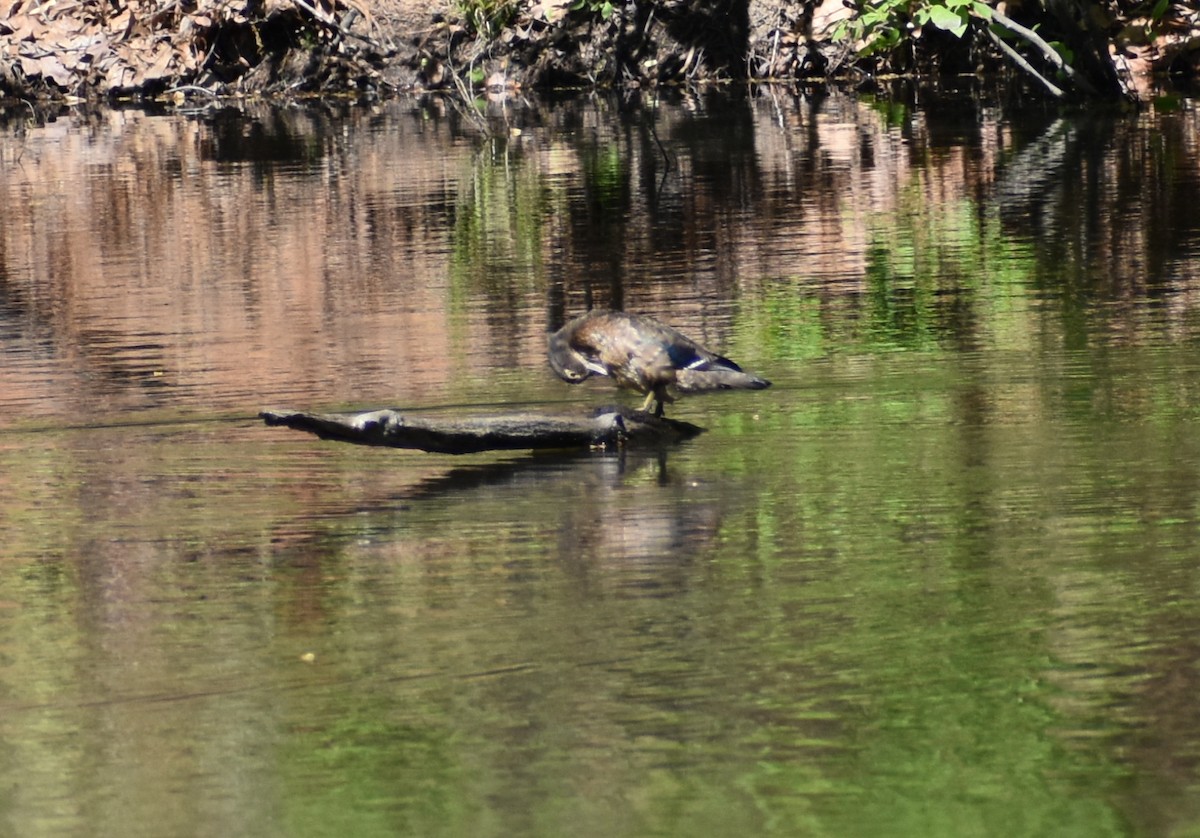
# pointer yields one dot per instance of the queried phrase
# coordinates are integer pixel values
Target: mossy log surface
(607, 427)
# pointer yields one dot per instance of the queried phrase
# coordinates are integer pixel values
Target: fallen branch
(607, 428)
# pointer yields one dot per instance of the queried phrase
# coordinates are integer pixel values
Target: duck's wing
(686, 354)
(700, 370)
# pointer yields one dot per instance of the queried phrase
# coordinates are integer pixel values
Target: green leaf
(981, 10)
(1064, 52)
(884, 40)
(873, 18)
(952, 22)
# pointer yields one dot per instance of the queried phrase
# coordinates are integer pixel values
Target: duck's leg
(650, 397)
(661, 397)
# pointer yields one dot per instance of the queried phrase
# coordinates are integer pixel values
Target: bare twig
(668, 161)
(193, 88)
(465, 102)
(1048, 52)
(325, 19)
(1020, 61)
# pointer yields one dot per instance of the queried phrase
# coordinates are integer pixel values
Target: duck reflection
(633, 511)
(612, 509)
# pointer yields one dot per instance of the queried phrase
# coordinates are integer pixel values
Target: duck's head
(567, 364)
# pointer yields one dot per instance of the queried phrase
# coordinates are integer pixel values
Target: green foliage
(1064, 52)
(601, 8)
(488, 17)
(881, 25)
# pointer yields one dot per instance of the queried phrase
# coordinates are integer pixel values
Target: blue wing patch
(684, 357)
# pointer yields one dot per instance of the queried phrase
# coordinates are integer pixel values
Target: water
(939, 580)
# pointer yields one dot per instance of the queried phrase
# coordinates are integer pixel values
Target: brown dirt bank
(90, 49)
(143, 48)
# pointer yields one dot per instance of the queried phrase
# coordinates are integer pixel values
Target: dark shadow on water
(538, 468)
(623, 520)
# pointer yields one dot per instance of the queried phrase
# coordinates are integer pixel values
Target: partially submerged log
(607, 427)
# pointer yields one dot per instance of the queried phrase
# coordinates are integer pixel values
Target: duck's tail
(717, 378)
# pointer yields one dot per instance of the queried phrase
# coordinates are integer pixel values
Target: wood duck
(641, 354)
